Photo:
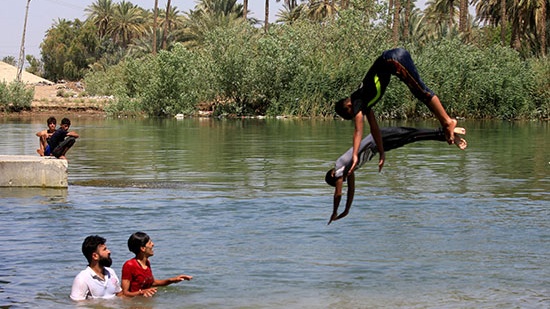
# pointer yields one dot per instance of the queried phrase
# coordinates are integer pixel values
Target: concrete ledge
(33, 171)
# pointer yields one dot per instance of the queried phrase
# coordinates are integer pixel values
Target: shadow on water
(130, 183)
(50, 194)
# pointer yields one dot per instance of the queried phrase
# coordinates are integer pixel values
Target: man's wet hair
(330, 178)
(341, 110)
(66, 121)
(136, 241)
(90, 244)
(51, 120)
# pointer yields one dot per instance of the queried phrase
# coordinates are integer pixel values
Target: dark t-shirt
(57, 137)
(396, 62)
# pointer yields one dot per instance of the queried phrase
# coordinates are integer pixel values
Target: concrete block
(33, 171)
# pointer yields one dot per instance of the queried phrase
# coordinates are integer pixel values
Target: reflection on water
(242, 206)
(46, 194)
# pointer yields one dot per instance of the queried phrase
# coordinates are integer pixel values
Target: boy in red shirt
(137, 276)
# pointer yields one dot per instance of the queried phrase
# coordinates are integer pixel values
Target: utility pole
(22, 50)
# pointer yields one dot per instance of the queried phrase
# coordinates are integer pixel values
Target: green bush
(470, 82)
(541, 92)
(15, 96)
(301, 69)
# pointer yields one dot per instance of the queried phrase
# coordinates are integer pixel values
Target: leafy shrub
(302, 68)
(15, 96)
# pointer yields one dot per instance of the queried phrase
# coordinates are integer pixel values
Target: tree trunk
(406, 22)
(396, 9)
(503, 19)
(266, 24)
(155, 15)
(245, 9)
(463, 20)
(515, 41)
(166, 25)
(543, 16)
(22, 50)
(390, 12)
(451, 14)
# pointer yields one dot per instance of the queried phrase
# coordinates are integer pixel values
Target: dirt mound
(8, 73)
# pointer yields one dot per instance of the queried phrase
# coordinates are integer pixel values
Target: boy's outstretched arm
(377, 135)
(338, 197)
(357, 137)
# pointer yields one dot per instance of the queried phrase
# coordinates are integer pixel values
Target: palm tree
(463, 20)
(543, 18)
(408, 8)
(290, 4)
(207, 15)
(533, 12)
(441, 10)
(417, 30)
(321, 9)
(144, 45)
(166, 25)
(288, 16)
(100, 14)
(128, 23)
(155, 15)
(503, 18)
(396, 23)
(173, 20)
(528, 19)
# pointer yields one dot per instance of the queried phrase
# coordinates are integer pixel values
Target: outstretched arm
(377, 135)
(357, 136)
(338, 197)
(175, 279)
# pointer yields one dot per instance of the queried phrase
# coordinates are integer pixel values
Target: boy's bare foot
(40, 152)
(460, 130)
(460, 142)
(449, 131)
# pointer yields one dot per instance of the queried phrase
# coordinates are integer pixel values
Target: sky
(43, 13)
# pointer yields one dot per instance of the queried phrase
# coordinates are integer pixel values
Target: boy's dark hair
(66, 121)
(136, 241)
(90, 244)
(51, 120)
(341, 110)
(330, 178)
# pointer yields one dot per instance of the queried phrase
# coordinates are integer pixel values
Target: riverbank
(67, 98)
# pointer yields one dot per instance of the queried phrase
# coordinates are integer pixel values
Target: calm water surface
(242, 206)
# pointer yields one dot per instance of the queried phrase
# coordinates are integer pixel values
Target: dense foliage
(15, 96)
(163, 62)
(301, 70)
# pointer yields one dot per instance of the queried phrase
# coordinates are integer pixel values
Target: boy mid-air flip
(396, 62)
(392, 137)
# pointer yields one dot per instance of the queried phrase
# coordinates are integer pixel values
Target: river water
(242, 206)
